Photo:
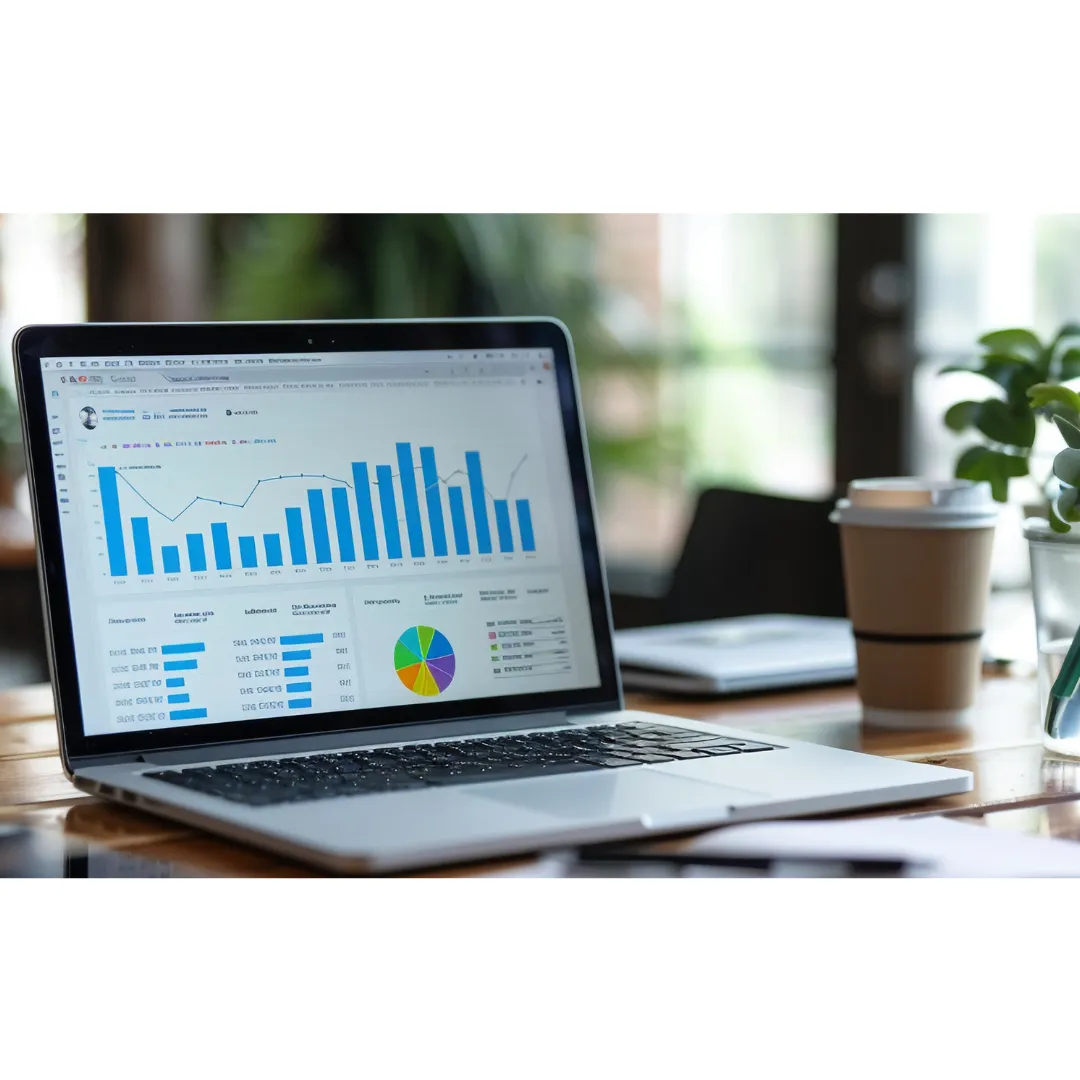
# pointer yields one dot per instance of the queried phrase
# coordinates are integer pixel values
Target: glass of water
(1055, 586)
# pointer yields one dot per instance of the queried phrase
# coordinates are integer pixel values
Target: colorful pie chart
(424, 661)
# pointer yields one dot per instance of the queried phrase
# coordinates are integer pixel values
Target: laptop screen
(263, 536)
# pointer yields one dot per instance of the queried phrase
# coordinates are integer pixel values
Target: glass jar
(1055, 587)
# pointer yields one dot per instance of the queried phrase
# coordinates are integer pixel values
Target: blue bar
(188, 714)
(365, 511)
(346, 548)
(300, 639)
(248, 556)
(180, 665)
(457, 517)
(294, 672)
(170, 559)
(479, 502)
(297, 546)
(502, 522)
(196, 552)
(297, 654)
(434, 501)
(144, 556)
(114, 527)
(300, 703)
(384, 477)
(191, 646)
(298, 688)
(524, 516)
(317, 510)
(407, 478)
(174, 682)
(219, 536)
(272, 547)
(178, 699)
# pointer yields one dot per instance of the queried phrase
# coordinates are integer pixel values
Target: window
(977, 273)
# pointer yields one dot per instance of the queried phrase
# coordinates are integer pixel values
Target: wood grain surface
(1003, 749)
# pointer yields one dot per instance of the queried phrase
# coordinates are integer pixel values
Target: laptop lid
(258, 530)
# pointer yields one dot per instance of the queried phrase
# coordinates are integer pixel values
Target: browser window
(251, 536)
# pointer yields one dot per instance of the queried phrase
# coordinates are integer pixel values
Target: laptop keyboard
(465, 761)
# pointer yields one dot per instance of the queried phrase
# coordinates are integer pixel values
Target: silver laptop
(334, 589)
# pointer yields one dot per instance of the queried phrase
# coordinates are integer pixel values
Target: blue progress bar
(178, 699)
(300, 639)
(114, 528)
(457, 519)
(298, 688)
(180, 665)
(191, 646)
(317, 510)
(300, 703)
(196, 552)
(188, 714)
(297, 654)
(174, 682)
(294, 672)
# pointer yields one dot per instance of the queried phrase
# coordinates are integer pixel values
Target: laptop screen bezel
(32, 344)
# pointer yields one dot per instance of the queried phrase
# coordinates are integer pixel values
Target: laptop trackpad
(620, 794)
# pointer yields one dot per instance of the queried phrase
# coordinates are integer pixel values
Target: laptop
(738, 655)
(334, 589)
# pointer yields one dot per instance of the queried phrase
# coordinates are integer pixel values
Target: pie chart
(424, 660)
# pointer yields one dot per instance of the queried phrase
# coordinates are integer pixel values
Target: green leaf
(962, 415)
(1067, 467)
(982, 464)
(1069, 365)
(1013, 374)
(1009, 341)
(1070, 431)
(1044, 394)
(1004, 425)
(1066, 505)
(1056, 523)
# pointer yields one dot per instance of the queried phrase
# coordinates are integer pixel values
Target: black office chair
(753, 554)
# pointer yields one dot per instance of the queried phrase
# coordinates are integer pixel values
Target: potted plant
(1015, 361)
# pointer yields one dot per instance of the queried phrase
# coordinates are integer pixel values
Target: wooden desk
(1003, 750)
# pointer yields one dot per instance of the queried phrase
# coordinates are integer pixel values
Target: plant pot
(1055, 587)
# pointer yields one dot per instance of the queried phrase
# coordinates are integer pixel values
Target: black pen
(841, 866)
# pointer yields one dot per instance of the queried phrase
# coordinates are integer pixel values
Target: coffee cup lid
(910, 502)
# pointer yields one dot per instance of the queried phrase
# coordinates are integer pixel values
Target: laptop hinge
(341, 740)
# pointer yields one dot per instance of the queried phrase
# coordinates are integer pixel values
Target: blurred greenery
(10, 433)
(349, 266)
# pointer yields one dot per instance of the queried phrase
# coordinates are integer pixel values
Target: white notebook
(730, 656)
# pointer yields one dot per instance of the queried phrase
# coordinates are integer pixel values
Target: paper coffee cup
(916, 575)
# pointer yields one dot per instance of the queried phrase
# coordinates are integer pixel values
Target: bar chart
(228, 658)
(386, 512)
